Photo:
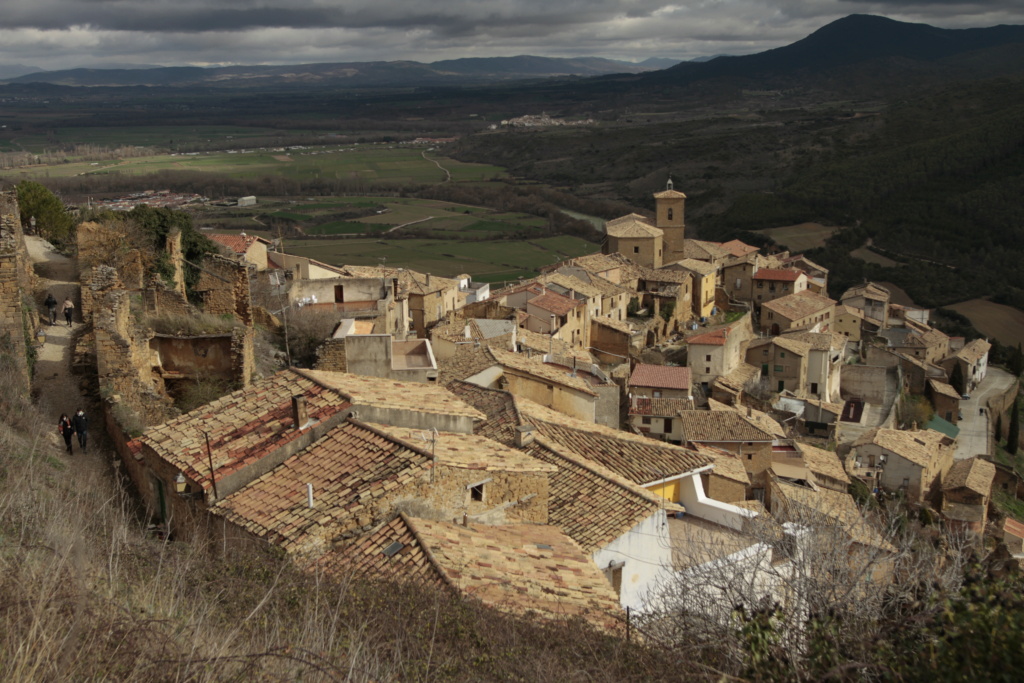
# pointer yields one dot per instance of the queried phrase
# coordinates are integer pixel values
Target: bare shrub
(191, 325)
(306, 329)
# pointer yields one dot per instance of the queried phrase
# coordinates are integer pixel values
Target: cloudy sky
(57, 34)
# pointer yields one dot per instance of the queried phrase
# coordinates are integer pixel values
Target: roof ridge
(384, 435)
(584, 462)
(430, 555)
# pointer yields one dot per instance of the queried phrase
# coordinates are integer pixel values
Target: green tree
(53, 221)
(1014, 436)
(1016, 363)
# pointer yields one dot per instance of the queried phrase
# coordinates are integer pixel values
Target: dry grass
(195, 325)
(86, 594)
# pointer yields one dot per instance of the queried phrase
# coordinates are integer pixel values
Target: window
(782, 354)
(814, 387)
(707, 371)
(636, 250)
(477, 493)
(778, 368)
(760, 284)
(764, 352)
(707, 358)
(771, 315)
(646, 420)
(670, 214)
(782, 385)
(750, 456)
(657, 394)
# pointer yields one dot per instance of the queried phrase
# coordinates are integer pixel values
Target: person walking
(69, 309)
(51, 306)
(65, 429)
(80, 423)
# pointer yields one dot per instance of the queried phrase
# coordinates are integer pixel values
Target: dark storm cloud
(60, 33)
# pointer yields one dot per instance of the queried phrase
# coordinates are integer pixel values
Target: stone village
(569, 445)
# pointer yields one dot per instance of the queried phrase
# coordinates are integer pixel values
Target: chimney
(309, 495)
(913, 426)
(466, 331)
(750, 411)
(299, 412)
(524, 436)
(428, 279)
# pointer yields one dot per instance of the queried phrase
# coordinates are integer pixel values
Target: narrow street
(54, 389)
(977, 425)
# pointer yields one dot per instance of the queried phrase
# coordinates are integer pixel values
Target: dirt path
(54, 388)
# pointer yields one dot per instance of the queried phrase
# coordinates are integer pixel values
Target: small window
(707, 371)
(657, 394)
(646, 420)
(782, 354)
(636, 250)
(707, 358)
(814, 387)
(750, 456)
(477, 493)
(670, 214)
(778, 368)
(614, 575)
(764, 352)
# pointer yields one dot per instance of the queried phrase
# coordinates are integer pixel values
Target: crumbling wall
(96, 282)
(243, 356)
(331, 356)
(162, 300)
(123, 361)
(177, 259)
(224, 287)
(17, 282)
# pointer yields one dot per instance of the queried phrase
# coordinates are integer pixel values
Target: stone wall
(96, 282)
(224, 286)
(243, 357)
(177, 258)
(331, 356)
(17, 281)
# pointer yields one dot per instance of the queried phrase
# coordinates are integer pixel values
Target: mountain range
(858, 49)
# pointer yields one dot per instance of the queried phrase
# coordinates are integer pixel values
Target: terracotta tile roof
(702, 250)
(538, 368)
(469, 359)
(600, 263)
(846, 309)
(804, 263)
(738, 248)
(974, 473)
(587, 500)
(637, 458)
(869, 291)
(943, 388)
(499, 407)
(665, 407)
(831, 508)
(556, 303)
(575, 284)
(391, 552)
(385, 393)
(696, 266)
(349, 467)
(520, 568)
(920, 447)
(819, 341)
(618, 325)
(777, 275)
(836, 408)
(973, 351)
(714, 338)
(243, 427)
(660, 377)
(631, 225)
(800, 348)
(738, 378)
(590, 502)
(726, 464)
(542, 344)
(823, 462)
(1013, 527)
(669, 194)
(718, 426)
(679, 277)
(466, 451)
(799, 305)
(236, 243)
(761, 420)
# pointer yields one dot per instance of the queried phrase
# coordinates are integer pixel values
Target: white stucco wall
(646, 550)
(691, 495)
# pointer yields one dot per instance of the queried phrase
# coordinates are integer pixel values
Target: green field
(496, 261)
(377, 163)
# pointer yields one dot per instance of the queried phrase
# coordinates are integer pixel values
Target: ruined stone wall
(96, 282)
(123, 361)
(177, 258)
(224, 285)
(160, 300)
(17, 282)
(243, 356)
(331, 356)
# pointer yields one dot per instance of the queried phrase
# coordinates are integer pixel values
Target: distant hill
(354, 74)
(15, 70)
(894, 51)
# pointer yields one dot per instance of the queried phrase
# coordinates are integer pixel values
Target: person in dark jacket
(51, 306)
(65, 429)
(80, 423)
